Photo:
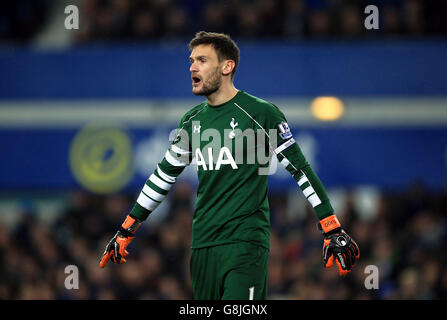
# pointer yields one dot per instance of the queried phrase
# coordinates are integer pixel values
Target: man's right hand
(116, 248)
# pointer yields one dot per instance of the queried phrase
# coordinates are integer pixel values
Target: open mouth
(195, 80)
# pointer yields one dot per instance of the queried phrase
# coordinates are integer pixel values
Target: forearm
(152, 195)
(308, 181)
(338, 246)
(160, 182)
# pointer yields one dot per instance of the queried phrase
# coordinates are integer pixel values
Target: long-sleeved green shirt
(232, 145)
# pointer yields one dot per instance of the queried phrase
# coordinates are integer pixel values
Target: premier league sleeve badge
(284, 130)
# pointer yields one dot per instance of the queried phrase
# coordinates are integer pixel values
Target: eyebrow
(198, 57)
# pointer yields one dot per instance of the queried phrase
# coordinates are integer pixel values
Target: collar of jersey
(222, 106)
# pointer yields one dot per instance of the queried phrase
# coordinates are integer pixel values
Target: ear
(228, 67)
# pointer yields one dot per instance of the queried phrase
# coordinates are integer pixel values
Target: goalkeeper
(231, 223)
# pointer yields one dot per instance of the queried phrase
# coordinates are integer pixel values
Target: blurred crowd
(21, 20)
(106, 20)
(403, 239)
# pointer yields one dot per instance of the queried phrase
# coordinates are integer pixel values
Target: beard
(211, 85)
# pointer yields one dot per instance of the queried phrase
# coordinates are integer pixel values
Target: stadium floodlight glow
(327, 108)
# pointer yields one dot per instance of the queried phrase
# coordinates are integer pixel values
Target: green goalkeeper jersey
(232, 145)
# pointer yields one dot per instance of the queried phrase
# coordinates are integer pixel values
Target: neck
(222, 95)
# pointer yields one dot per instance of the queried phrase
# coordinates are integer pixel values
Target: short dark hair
(225, 47)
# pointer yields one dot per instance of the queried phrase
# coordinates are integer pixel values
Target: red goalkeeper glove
(338, 245)
(116, 248)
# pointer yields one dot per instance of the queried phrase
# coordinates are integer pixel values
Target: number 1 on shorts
(251, 293)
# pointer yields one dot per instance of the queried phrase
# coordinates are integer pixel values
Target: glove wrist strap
(130, 225)
(329, 224)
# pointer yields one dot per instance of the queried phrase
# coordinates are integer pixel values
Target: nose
(193, 68)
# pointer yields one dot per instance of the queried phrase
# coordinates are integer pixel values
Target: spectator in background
(216, 17)
(351, 23)
(413, 17)
(145, 26)
(319, 23)
(87, 9)
(21, 20)
(248, 21)
(176, 24)
(294, 19)
(391, 21)
(271, 18)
